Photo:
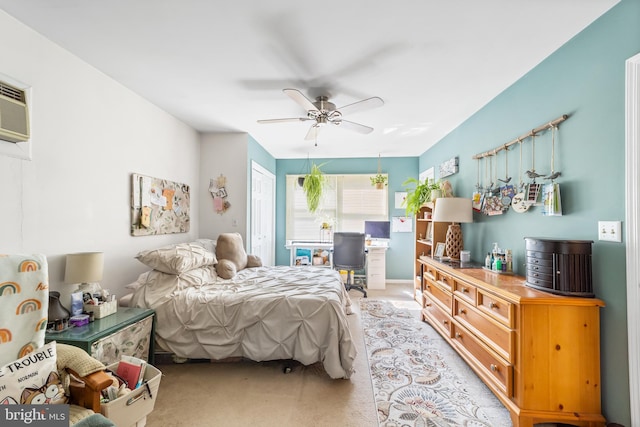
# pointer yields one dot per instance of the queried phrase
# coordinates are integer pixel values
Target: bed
(262, 313)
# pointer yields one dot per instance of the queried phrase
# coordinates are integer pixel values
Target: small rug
(418, 379)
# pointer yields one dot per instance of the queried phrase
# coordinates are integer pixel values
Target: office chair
(348, 254)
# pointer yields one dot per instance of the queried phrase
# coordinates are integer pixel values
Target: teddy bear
(232, 257)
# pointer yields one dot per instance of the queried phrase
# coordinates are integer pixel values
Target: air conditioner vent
(14, 114)
(11, 92)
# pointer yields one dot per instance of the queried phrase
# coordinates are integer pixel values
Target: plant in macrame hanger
(551, 191)
(379, 180)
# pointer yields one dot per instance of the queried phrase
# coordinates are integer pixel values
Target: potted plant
(423, 192)
(379, 181)
(312, 187)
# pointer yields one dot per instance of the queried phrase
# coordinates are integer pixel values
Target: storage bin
(101, 310)
(131, 410)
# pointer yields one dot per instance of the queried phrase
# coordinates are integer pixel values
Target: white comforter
(265, 313)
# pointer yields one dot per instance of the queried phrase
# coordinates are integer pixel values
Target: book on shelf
(131, 369)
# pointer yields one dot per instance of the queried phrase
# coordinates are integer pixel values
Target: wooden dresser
(538, 352)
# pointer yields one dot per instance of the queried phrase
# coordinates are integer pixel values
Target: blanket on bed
(264, 313)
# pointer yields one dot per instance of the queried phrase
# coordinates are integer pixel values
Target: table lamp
(454, 210)
(84, 268)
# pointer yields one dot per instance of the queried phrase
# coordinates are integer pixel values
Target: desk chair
(349, 254)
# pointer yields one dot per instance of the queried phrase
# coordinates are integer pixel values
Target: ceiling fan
(323, 112)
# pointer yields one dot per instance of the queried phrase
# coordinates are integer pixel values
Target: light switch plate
(610, 231)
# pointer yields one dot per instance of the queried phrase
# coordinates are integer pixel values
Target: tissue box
(102, 310)
(79, 320)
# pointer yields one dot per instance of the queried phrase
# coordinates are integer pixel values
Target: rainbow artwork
(42, 324)
(28, 306)
(28, 265)
(9, 288)
(5, 335)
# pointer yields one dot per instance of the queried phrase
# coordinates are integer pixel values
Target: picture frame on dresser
(439, 250)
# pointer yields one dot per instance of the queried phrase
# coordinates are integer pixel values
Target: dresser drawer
(501, 310)
(439, 295)
(497, 336)
(440, 320)
(465, 291)
(491, 365)
(430, 272)
(445, 281)
(133, 340)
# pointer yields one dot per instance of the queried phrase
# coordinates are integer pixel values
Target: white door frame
(632, 230)
(258, 168)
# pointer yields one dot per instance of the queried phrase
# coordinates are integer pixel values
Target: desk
(375, 267)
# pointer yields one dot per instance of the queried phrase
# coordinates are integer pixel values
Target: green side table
(128, 331)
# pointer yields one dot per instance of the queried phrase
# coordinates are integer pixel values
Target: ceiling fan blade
(302, 100)
(313, 133)
(293, 119)
(356, 127)
(365, 104)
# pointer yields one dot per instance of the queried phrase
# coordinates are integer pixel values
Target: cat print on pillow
(50, 393)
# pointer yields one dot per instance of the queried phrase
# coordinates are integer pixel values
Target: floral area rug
(418, 379)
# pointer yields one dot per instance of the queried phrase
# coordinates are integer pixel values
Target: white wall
(224, 154)
(89, 134)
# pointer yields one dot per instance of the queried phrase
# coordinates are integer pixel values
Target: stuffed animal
(232, 256)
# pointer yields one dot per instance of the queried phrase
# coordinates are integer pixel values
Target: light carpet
(418, 379)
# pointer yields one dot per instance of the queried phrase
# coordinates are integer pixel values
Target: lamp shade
(453, 209)
(84, 267)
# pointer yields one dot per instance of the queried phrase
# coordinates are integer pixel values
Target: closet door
(262, 214)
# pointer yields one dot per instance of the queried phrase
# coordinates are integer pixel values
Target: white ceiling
(221, 65)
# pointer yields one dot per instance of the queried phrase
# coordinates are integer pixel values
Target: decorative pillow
(32, 379)
(178, 258)
(24, 298)
(208, 244)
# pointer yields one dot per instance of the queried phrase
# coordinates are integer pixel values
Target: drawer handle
(462, 311)
(445, 322)
(458, 335)
(494, 368)
(465, 290)
(493, 305)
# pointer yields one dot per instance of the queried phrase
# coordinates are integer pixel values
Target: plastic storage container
(131, 410)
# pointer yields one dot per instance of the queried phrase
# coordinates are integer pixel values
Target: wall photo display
(158, 206)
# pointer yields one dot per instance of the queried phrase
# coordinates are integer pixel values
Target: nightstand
(129, 331)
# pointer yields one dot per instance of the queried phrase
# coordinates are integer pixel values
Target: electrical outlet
(610, 231)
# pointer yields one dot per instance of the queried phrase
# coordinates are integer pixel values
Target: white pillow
(178, 258)
(32, 379)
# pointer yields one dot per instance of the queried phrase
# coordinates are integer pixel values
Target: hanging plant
(313, 185)
(379, 180)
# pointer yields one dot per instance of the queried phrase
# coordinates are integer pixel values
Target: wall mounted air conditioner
(14, 115)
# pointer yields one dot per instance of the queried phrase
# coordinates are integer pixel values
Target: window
(347, 202)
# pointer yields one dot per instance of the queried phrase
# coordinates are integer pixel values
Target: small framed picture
(439, 252)
(429, 233)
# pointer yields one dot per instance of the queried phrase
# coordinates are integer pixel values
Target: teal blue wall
(400, 253)
(585, 79)
(255, 152)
